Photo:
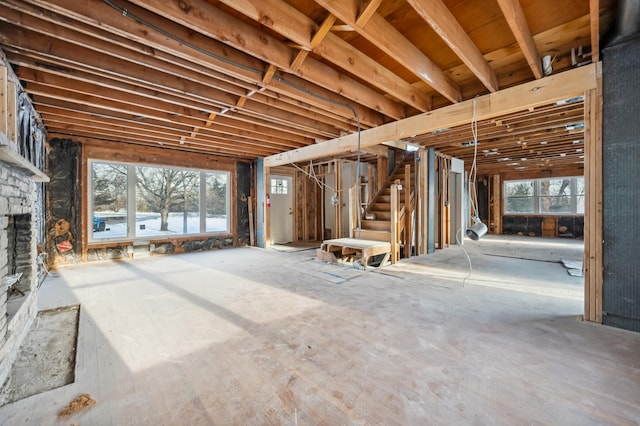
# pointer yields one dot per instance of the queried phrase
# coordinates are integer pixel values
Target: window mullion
(203, 202)
(131, 201)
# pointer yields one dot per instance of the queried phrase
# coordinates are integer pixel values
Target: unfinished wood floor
(259, 337)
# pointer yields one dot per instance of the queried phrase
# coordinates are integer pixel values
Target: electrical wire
(165, 33)
(460, 232)
(473, 172)
(473, 191)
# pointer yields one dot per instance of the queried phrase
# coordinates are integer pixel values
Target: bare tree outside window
(167, 190)
(109, 184)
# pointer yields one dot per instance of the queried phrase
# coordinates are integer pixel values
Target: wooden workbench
(352, 246)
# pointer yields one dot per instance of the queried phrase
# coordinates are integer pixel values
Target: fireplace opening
(19, 255)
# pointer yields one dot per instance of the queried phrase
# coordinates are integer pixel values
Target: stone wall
(18, 253)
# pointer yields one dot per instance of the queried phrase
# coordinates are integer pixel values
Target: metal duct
(627, 21)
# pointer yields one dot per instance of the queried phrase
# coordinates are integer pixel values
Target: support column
(593, 220)
(431, 203)
(260, 204)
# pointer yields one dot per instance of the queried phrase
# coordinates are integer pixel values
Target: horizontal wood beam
(554, 88)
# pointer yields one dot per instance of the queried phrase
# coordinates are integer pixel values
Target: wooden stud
(338, 166)
(497, 204)
(84, 207)
(12, 111)
(353, 211)
(408, 233)
(421, 203)
(395, 202)
(267, 210)
(4, 96)
(593, 232)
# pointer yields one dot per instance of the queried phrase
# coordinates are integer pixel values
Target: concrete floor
(252, 337)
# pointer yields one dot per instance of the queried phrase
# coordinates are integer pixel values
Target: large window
(552, 196)
(139, 201)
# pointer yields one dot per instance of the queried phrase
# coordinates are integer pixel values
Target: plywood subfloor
(250, 336)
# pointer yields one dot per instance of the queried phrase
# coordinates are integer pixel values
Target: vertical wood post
(408, 234)
(431, 203)
(395, 203)
(421, 223)
(353, 211)
(338, 165)
(593, 222)
(370, 187)
(497, 204)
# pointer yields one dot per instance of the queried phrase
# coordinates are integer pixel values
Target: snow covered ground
(148, 225)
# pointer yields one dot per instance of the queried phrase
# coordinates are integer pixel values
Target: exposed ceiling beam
(340, 89)
(387, 38)
(528, 95)
(438, 16)
(288, 21)
(207, 19)
(513, 13)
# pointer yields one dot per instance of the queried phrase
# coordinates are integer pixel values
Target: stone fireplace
(18, 257)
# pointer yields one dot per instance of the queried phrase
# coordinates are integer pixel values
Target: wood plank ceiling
(251, 78)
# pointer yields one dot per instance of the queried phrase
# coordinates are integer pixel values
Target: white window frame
(131, 202)
(537, 193)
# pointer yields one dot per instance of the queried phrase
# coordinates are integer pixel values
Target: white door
(281, 209)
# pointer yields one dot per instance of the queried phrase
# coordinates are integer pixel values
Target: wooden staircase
(380, 227)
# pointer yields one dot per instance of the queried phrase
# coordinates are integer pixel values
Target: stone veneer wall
(18, 195)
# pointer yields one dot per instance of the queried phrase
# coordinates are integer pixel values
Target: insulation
(64, 199)
(621, 174)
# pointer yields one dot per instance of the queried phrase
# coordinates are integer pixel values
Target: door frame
(280, 171)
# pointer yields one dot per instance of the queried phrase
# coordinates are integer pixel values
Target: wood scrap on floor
(77, 404)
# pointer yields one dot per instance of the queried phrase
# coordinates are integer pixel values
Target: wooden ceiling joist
(382, 34)
(248, 68)
(294, 25)
(514, 15)
(258, 78)
(438, 16)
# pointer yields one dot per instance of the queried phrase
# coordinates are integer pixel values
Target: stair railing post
(407, 211)
(394, 202)
(353, 211)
